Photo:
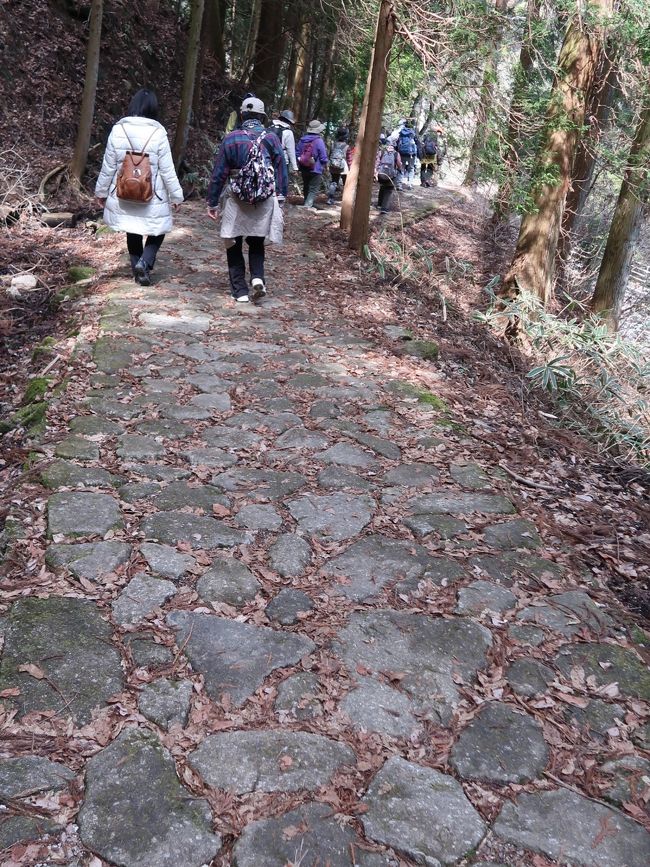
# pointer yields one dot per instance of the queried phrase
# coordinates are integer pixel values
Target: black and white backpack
(255, 180)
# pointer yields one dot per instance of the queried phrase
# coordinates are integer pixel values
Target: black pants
(311, 182)
(237, 266)
(385, 197)
(147, 251)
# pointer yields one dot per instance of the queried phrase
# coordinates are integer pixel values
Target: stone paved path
(293, 623)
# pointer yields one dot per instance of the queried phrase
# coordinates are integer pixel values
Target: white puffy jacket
(150, 218)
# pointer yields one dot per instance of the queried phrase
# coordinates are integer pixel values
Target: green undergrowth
(598, 382)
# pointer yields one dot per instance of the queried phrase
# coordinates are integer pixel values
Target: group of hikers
(138, 186)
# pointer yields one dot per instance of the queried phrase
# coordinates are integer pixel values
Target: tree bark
(532, 267)
(355, 210)
(191, 57)
(313, 82)
(269, 49)
(598, 114)
(484, 107)
(626, 223)
(80, 157)
(251, 39)
(213, 32)
(324, 100)
(300, 78)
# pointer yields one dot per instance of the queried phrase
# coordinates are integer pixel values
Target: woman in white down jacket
(145, 224)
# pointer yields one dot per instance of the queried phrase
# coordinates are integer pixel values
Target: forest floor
(280, 591)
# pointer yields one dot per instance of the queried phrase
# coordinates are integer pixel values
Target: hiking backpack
(337, 156)
(307, 159)
(255, 180)
(279, 132)
(135, 179)
(406, 142)
(430, 146)
(387, 169)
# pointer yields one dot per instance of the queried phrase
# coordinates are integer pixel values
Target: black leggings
(147, 251)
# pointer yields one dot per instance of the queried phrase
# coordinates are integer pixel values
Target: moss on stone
(68, 293)
(432, 400)
(425, 349)
(36, 389)
(32, 417)
(80, 272)
(639, 636)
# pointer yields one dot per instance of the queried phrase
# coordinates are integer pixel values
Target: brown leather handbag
(134, 179)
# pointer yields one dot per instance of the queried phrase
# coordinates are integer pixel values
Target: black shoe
(142, 273)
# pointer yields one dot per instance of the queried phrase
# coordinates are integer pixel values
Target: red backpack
(307, 158)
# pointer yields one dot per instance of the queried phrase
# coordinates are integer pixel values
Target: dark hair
(253, 115)
(144, 104)
(342, 134)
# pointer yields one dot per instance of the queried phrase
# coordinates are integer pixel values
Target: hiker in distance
(312, 159)
(407, 148)
(431, 155)
(283, 128)
(339, 163)
(387, 169)
(250, 167)
(137, 185)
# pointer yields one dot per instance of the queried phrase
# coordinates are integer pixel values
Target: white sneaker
(241, 298)
(258, 289)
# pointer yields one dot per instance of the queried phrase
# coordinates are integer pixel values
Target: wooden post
(355, 210)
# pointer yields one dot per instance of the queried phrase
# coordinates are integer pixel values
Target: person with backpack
(387, 168)
(429, 160)
(312, 159)
(251, 168)
(283, 128)
(137, 185)
(338, 163)
(407, 148)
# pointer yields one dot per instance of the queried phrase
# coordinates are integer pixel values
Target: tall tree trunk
(324, 100)
(80, 157)
(213, 32)
(301, 75)
(516, 114)
(626, 223)
(191, 57)
(251, 39)
(355, 210)
(484, 107)
(269, 49)
(532, 267)
(598, 114)
(313, 82)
